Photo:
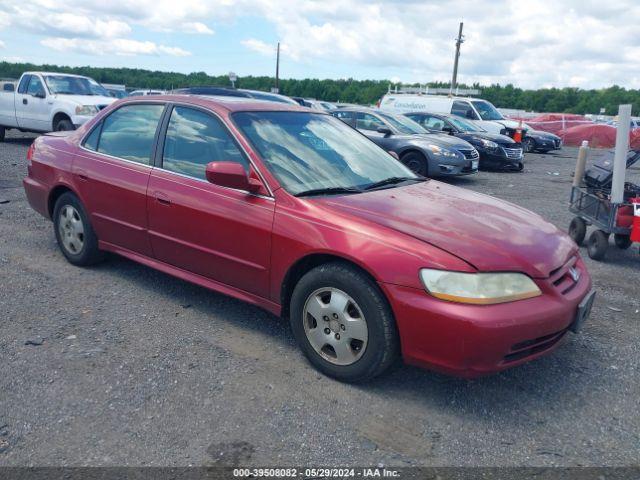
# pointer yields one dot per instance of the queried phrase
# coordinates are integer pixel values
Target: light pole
(459, 41)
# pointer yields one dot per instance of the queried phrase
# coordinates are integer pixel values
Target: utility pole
(459, 41)
(278, 69)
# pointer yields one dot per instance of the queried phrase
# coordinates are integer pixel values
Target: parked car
(117, 92)
(235, 92)
(426, 153)
(51, 101)
(295, 212)
(496, 151)
(315, 104)
(480, 112)
(144, 92)
(539, 141)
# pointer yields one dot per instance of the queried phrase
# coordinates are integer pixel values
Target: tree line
(365, 92)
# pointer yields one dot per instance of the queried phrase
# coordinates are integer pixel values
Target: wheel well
(301, 267)
(59, 116)
(53, 197)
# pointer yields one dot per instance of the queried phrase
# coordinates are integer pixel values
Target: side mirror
(470, 115)
(386, 131)
(394, 154)
(39, 94)
(231, 175)
(448, 129)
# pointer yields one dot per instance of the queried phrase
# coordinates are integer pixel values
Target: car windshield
(66, 85)
(312, 151)
(403, 124)
(463, 125)
(487, 111)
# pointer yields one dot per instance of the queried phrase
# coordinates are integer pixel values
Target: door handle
(162, 198)
(24, 101)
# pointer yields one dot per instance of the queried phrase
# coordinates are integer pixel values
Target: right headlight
(478, 288)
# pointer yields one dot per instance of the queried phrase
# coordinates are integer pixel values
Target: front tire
(528, 144)
(63, 125)
(75, 236)
(597, 244)
(343, 323)
(416, 162)
(622, 241)
(577, 230)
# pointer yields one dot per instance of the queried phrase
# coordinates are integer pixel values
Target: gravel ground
(122, 365)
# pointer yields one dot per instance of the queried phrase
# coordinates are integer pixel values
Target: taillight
(32, 149)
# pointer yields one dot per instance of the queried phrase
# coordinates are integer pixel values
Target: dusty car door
(220, 233)
(111, 171)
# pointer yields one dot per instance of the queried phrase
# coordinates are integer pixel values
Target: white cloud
(530, 44)
(259, 46)
(118, 46)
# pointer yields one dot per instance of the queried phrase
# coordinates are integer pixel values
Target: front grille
(562, 278)
(470, 154)
(533, 346)
(513, 153)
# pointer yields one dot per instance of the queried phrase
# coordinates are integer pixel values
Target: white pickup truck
(45, 102)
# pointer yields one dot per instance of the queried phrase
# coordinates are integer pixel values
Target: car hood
(489, 234)
(494, 137)
(442, 140)
(87, 99)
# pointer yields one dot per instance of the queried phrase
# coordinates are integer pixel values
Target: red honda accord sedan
(296, 212)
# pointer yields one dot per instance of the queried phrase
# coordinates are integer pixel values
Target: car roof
(56, 73)
(441, 115)
(230, 104)
(358, 109)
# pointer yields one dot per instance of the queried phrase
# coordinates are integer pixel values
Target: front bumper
(78, 120)
(502, 158)
(445, 167)
(473, 340)
(547, 143)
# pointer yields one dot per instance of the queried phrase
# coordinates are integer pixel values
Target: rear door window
(129, 132)
(347, 117)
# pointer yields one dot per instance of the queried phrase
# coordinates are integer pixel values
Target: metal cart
(595, 208)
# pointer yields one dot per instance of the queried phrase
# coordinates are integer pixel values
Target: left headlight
(445, 152)
(478, 288)
(86, 110)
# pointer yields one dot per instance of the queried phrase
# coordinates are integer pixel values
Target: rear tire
(416, 162)
(339, 299)
(597, 244)
(577, 230)
(2, 133)
(75, 236)
(63, 125)
(622, 241)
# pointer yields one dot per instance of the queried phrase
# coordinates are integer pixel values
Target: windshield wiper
(328, 191)
(392, 181)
